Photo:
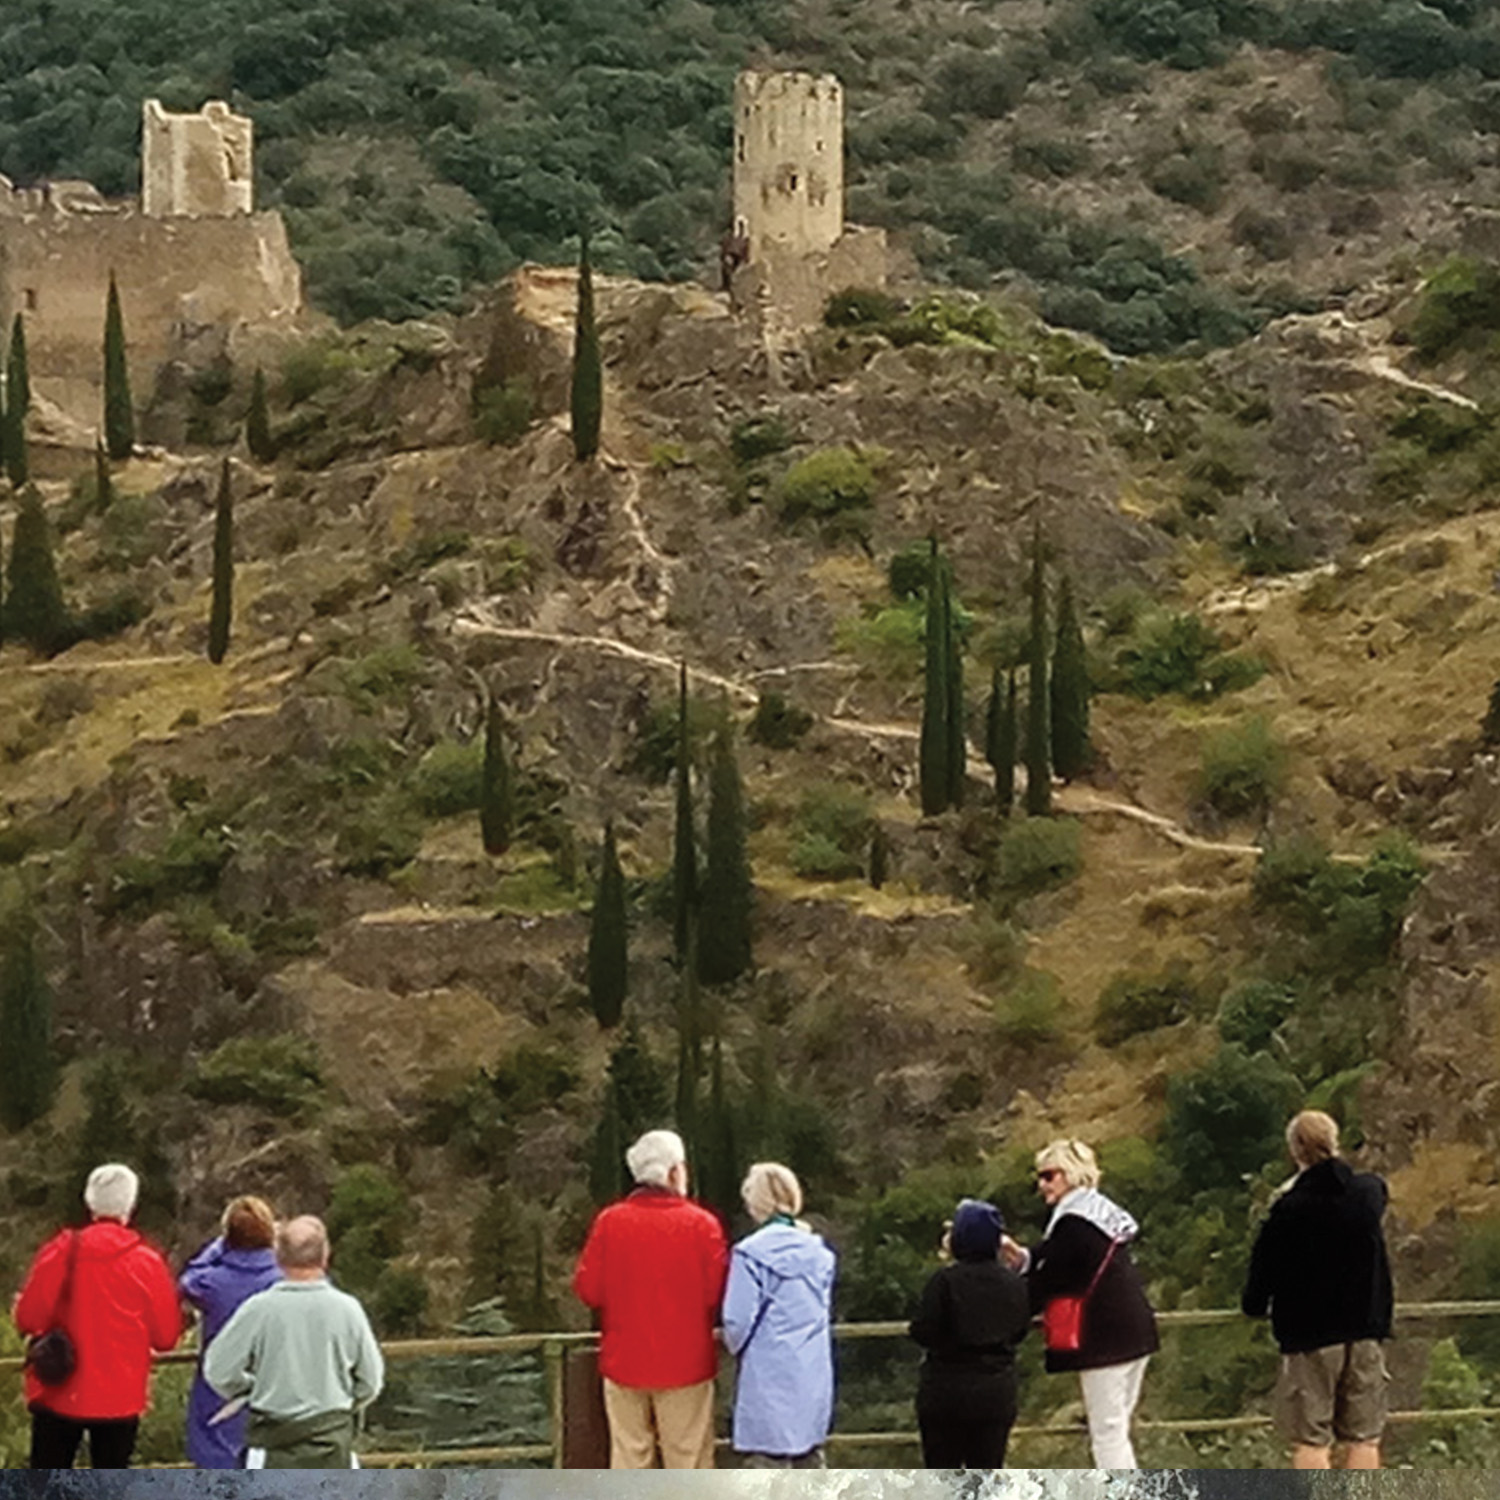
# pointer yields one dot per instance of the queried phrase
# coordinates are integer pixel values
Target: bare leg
(1362, 1456)
(1305, 1456)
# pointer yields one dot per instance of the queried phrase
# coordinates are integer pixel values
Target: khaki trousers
(677, 1423)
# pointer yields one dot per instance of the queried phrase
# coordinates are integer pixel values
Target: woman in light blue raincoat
(778, 1321)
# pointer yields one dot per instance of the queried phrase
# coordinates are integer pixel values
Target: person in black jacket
(1085, 1253)
(1320, 1266)
(973, 1313)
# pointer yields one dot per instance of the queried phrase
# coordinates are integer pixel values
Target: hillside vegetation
(1162, 175)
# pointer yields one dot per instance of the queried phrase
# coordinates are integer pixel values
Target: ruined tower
(789, 249)
(788, 161)
(195, 165)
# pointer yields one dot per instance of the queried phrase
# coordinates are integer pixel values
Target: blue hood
(789, 1252)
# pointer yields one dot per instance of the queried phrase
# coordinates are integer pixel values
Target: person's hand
(1011, 1253)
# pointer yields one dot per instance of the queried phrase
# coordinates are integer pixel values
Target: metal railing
(553, 1348)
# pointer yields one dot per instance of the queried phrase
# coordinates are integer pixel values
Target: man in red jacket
(654, 1269)
(114, 1295)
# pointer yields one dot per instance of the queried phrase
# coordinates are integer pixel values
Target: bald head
(302, 1246)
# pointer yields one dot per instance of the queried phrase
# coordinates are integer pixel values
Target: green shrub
(188, 863)
(1252, 1012)
(533, 1077)
(860, 307)
(653, 750)
(1195, 176)
(1352, 910)
(1225, 1121)
(909, 571)
(1131, 1004)
(1168, 651)
(446, 780)
(833, 825)
(1029, 1012)
(386, 672)
(993, 949)
(1049, 156)
(398, 1305)
(280, 1074)
(825, 484)
(503, 414)
(309, 368)
(1038, 853)
(889, 641)
(1242, 767)
(381, 834)
(776, 723)
(948, 319)
(760, 436)
(133, 531)
(1460, 300)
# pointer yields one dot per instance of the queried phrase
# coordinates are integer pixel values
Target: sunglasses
(1047, 1174)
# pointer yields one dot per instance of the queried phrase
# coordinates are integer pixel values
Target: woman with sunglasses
(1084, 1253)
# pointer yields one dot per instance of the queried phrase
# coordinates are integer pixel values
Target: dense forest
(418, 147)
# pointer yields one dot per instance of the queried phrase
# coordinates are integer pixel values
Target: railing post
(552, 1360)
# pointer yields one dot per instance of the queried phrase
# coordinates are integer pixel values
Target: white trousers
(1109, 1398)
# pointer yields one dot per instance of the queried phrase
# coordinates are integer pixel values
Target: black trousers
(55, 1440)
(966, 1426)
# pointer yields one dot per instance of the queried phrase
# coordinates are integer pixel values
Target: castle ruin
(789, 202)
(191, 255)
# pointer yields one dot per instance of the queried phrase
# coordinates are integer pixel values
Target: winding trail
(1080, 801)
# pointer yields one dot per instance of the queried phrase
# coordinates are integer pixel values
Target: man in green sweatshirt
(303, 1356)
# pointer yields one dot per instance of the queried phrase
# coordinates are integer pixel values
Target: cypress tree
(1000, 739)
(607, 1158)
(719, 1179)
(608, 950)
(119, 412)
(635, 1100)
(935, 758)
(958, 739)
(1038, 740)
(1070, 691)
(17, 403)
(28, 1064)
(588, 368)
(724, 925)
(880, 858)
(684, 840)
(221, 611)
(104, 485)
(496, 796)
(689, 1050)
(258, 438)
(34, 609)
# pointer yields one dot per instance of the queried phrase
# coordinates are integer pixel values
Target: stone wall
(58, 246)
(195, 165)
(788, 161)
(785, 291)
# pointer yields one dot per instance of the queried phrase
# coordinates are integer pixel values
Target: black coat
(1118, 1324)
(971, 1317)
(1319, 1262)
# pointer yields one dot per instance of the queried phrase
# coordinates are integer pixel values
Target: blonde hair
(1074, 1159)
(1311, 1137)
(770, 1188)
(249, 1224)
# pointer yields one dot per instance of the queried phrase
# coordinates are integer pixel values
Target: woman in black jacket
(1084, 1254)
(973, 1313)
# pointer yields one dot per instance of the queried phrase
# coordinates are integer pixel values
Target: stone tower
(195, 165)
(788, 162)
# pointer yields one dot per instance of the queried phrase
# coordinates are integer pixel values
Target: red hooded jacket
(654, 1269)
(122, 1305)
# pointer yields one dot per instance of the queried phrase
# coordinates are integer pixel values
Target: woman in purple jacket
(224, 1273)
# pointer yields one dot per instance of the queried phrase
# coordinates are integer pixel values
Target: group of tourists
(287, 1361)
(658, 1273)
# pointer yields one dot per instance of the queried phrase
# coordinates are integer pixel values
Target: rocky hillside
(281, 958)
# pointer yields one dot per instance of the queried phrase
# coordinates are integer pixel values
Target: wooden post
(552, 1360)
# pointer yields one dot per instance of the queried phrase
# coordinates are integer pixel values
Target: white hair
(652, 1157)
(111, 1191)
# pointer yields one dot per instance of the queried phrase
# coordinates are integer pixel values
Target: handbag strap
(65, 1291)
(1109, 1255)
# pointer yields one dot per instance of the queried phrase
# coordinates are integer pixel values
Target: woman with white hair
(97, 1302)
(778, 1320)
(1095, 1316)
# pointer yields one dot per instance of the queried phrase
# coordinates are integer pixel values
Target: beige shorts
(1336, 1393)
